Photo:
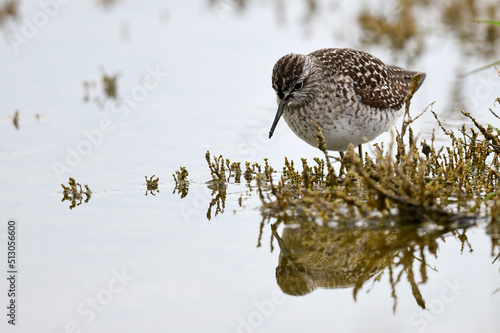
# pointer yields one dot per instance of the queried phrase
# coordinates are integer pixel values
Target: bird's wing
(377, 85)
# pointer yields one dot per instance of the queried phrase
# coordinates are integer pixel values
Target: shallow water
(191, 78)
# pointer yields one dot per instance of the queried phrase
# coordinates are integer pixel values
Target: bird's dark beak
(281, 108)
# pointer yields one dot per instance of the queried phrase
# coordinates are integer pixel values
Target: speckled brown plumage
(350, 94)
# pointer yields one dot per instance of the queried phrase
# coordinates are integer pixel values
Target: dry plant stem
(497, 100)
(342, 164)
(407, 120)
(486, 132)
(410, 200)
(356, 162)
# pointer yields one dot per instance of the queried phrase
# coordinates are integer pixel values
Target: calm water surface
(191, 78)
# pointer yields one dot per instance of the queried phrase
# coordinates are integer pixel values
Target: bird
(350, 94)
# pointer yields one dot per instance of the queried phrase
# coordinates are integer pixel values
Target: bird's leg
(360, 152)
(342, 166)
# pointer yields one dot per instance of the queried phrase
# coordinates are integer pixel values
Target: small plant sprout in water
(224, 171)
(152, 185)
(181, 182)
(75, 193)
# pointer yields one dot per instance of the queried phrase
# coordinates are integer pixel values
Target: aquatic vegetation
(407, 182)
(420, 183)
(152, 185)
(224, 171)
(497, 23)
(181, 182)
(396, 29)
(75, 193)
(218, 168)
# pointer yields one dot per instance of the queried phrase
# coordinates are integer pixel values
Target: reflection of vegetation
(494, 229)
(152, 185)
(222, 171)
(310, 9)
(458, 17)
(87, 87)
(181, 182)
(218, 201)
(8, 9)
(399, 25)
(314, 256)
(15, 119)
(75, 193)
(108, 3)
(497, 31)
(238, 4)
(110, 85)
(394, 27)
(109, 88)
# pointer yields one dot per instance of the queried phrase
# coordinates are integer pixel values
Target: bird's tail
(408, 75)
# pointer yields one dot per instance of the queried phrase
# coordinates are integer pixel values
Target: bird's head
(291, 82)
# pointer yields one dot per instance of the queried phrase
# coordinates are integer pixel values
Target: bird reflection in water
(313, 256)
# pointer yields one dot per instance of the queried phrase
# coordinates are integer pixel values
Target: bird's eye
(298, 85)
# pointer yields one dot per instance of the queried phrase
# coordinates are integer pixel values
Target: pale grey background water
(180, 272)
